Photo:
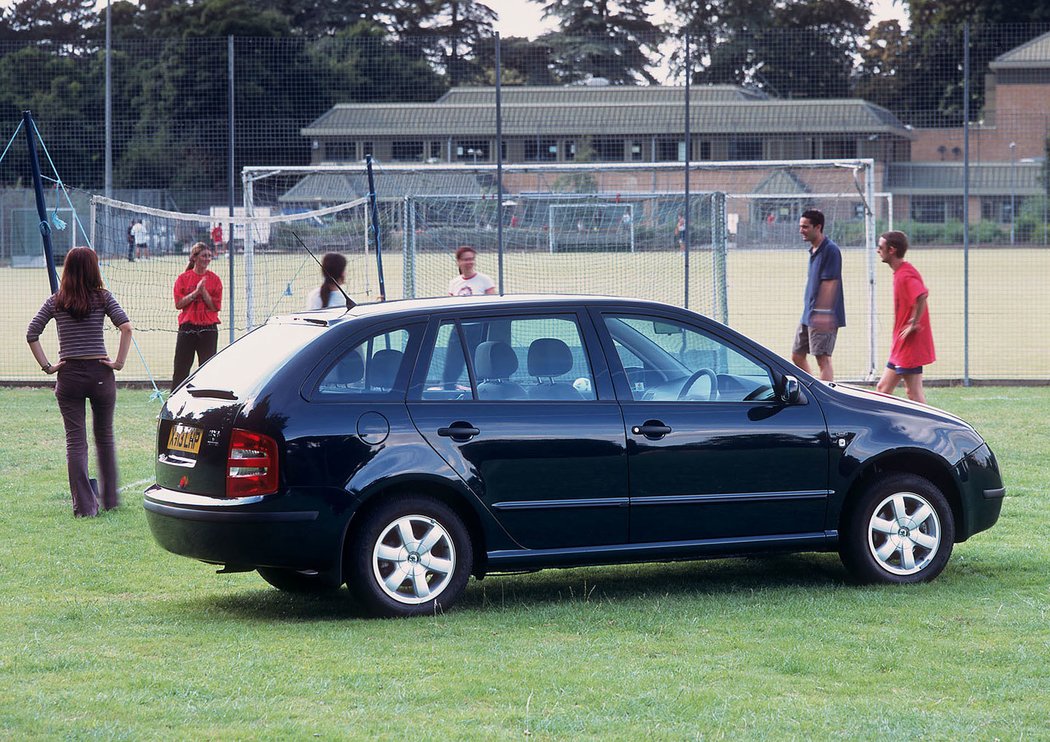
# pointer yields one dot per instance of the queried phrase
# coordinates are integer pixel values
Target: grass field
(105, 636)
(1008, 299)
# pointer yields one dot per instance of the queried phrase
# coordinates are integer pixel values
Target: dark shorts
(902, 371)
(814, 342)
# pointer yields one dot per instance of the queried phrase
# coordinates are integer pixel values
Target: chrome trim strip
(730, 497)
(591, 502)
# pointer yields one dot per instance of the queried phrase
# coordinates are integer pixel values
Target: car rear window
(243, 366)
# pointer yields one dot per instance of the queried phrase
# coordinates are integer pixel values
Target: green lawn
(104, 635)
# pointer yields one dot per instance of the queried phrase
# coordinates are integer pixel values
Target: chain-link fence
(973, 198)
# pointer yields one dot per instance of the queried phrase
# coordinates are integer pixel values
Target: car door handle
(651, 429)
(459, 430)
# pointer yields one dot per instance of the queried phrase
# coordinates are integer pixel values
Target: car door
(526, 415)
(712, 452)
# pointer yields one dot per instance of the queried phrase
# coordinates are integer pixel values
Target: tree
(60, 21)
(797, 49)
(602, 39)
(933, 64)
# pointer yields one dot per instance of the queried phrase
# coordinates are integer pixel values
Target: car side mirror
(790, 390)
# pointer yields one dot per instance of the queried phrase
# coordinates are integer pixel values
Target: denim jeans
(80, 380)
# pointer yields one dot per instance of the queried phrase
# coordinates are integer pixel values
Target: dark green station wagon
(402, 447)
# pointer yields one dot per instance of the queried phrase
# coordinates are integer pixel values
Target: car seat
(382, 369)
(494, 363)
(550, 357)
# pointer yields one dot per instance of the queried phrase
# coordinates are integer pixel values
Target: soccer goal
(587, 225)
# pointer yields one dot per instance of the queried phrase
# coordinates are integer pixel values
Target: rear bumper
(293, 531)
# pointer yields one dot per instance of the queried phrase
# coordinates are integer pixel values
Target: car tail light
(251, 468)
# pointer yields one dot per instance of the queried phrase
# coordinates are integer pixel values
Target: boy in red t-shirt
(912, 346)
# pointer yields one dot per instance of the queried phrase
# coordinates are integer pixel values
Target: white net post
(249, 253)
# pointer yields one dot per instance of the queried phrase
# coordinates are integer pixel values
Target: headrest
(383, 368)
(351, 368)
(494, 360)
(549, 357)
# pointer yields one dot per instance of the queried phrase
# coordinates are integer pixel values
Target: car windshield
(243, 366)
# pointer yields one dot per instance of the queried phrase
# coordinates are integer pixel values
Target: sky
(523, 18)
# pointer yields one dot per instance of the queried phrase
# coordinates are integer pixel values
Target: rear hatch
(199, 420)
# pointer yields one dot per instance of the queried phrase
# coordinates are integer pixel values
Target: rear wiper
(196, 391)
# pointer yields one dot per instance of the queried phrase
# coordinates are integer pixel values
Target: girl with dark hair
(198, 297)
(85, 372)
(333, 274)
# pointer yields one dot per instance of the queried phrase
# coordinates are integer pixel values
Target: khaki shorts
(814, 342)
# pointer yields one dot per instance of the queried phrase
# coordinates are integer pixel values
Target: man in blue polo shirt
(824, 310)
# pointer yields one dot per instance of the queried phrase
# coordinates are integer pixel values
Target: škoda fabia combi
(402, 447)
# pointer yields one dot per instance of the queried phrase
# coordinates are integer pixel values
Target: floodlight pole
(41, 208)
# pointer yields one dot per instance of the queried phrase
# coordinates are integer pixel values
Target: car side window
(368, 370)
(512, 358)
(669, 360)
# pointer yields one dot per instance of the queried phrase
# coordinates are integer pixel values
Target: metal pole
(230, 98)
(685, 242)
(109, 108)
(374, 204)
(1013, 190)
(499, 167)
(871, 243)
(41, 207)
(966, 204)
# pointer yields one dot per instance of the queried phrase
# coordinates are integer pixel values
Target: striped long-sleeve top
(78, 338)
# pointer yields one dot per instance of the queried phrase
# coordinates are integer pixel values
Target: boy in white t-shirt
(469, 282)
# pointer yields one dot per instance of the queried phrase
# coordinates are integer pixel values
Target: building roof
(613, 110)
(946, 178)
(341, 187)
(1034, 54)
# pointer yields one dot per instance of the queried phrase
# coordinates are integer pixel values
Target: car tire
(294, 581)
(901, 530)
(411, 556)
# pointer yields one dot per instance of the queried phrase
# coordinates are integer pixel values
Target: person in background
(333, 275)
(216, 240)
(85, 372)
(198, 297)
(140, 235)
(131, 242)
(824, 310)
(469, 282)
(912, 346)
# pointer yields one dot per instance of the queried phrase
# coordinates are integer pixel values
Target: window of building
(636, 151)
(608, 149)
(936, 209)
(745, 148)
(367, 148)
(539, 149)
(436, 153)
(569, 148)
(840, 147)
(340, 151)
(670, 150)
(996, 209)
(472, 150)
(703, 150)
(406, 151)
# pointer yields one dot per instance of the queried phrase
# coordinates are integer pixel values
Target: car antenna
(350, 303)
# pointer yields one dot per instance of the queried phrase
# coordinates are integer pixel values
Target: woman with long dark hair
(85, 372)
(333, 274)
(198, 297)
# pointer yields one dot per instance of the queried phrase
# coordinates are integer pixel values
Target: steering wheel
(713, 394)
